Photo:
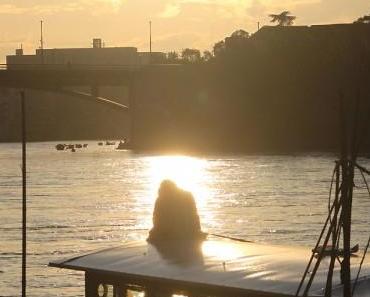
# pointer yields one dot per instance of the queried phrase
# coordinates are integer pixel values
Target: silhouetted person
(175, 215)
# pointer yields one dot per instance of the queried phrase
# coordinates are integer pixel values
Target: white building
(95, 56)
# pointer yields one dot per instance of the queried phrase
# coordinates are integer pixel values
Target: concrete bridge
(66, 79)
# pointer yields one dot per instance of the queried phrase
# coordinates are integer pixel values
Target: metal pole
(150, 42)
(335, 235)
(24, 200)
(42, 42)
(150, 37)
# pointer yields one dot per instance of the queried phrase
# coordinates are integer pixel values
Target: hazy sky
(176, 23)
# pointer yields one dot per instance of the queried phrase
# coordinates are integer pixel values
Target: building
(98, 55)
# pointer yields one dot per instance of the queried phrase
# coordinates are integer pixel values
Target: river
(99, 197)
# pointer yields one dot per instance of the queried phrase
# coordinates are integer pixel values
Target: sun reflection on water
(189, 173)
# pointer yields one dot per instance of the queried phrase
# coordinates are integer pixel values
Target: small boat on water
(214, 267)
(60, 147)
(123, 145)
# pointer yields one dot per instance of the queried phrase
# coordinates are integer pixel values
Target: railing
(70, 66)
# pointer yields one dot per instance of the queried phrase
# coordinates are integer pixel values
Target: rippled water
(98, 197)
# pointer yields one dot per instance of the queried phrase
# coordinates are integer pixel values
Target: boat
(213, 267)
(123, 145)
(60, 147)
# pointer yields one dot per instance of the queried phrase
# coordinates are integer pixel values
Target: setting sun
(187, 172)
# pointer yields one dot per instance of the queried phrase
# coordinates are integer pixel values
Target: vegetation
(282, 19)
(189, 55)
(275, 91)
(363, 20)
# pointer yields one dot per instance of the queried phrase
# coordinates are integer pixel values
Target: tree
(283, 19)
(363, 20)
(240, 34)
(207, 55)
(190, 55)
(219, 48)
(172, 57)
(236, 40)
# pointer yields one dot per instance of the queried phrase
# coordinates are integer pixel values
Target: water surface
(99, 197)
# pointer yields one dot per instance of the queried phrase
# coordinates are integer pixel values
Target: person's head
(167, 187)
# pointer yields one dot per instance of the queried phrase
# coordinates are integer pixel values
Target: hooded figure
(175, 215)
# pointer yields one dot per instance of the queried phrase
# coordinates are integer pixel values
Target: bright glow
(116, 3)
(131, 293)
(187, 172)
(222, 250)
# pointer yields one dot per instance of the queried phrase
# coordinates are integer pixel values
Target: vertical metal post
(150, 37)
(150, 42)
(349, 155)
(346, 188)
(24, 194)
(42, 41)
(335, 231)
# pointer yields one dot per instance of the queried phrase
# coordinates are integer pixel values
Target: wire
(229, 237)
(331, 185)
(362, 169)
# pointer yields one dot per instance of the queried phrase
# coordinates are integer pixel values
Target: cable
(331, 185)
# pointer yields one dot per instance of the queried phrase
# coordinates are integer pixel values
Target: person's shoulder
(184, 193)
(187, 196)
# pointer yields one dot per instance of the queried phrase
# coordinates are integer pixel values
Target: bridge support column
(132, 110)
(95, 90)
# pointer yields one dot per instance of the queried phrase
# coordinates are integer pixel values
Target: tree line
(237, 38)
(277, 90)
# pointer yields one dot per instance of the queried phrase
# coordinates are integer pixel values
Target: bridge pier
(95, 90)
(132, 108)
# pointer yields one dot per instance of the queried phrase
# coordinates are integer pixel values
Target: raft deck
(214, 267)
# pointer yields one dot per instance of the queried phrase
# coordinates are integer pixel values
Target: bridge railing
(70, 66)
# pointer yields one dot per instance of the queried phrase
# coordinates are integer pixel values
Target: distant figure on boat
(175, 215)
